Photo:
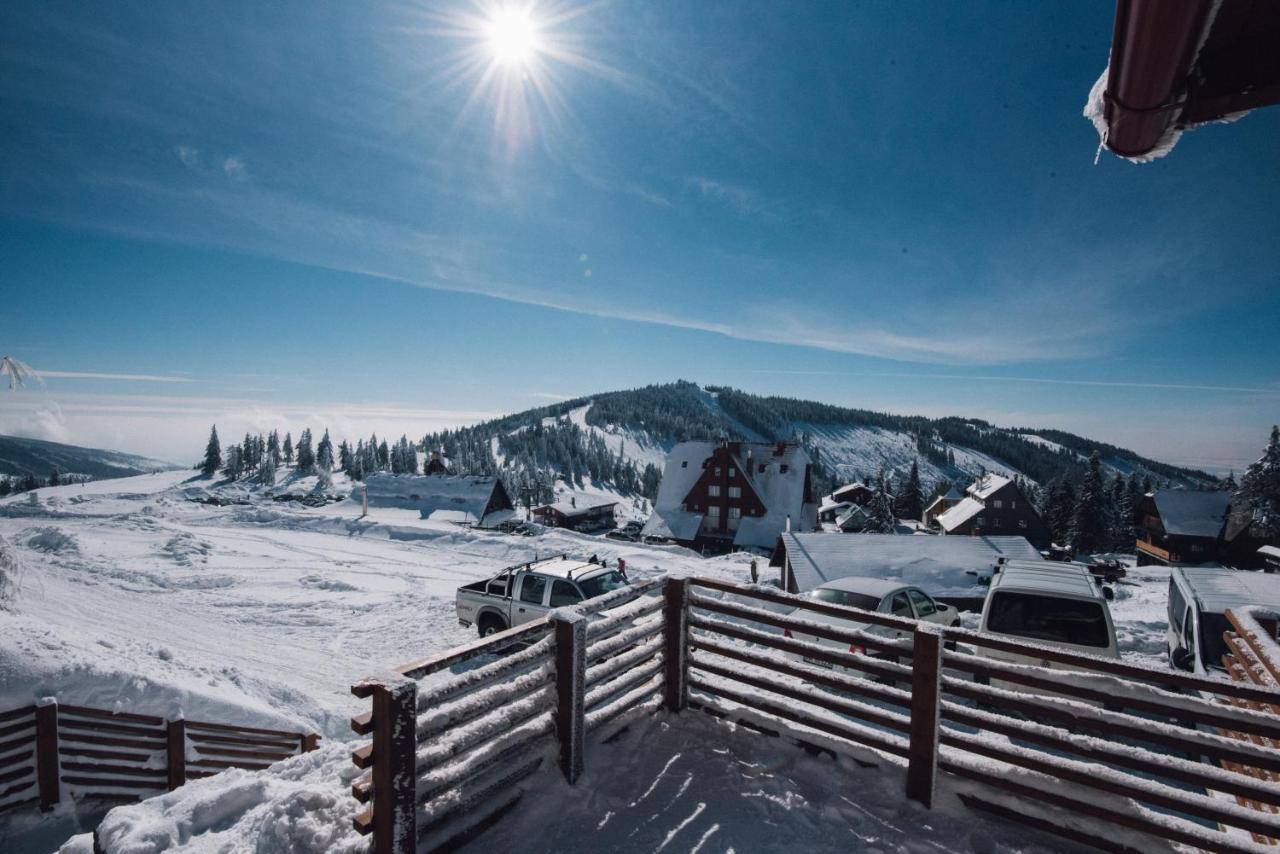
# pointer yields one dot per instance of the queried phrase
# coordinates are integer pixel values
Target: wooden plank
(22, 756)
(15, 805)
(622, 682)
(309, 742)
(47, 756)
(782, 621)
(20, 726)
(1123, 818)
(16, 774)
(212, 751)
(571, 675)
(1061, 684)
(104, 728)
(147, 746)
(281, 745)
(840, 658)
(22, 741)
(926, 692)
(103, 768)
(20, 712)
(86, 712)
(791, 600)
(362, 724)
(395, 711)
(362, 789)
(362, 757)
(1045, 826)
(469, 772)
(362, 822)
(676, 644)
(103, 754)
(794, 715)
(1044, 710)
(223, 764)
(470, 800)
(484, 646)
(78, 780)
(246, 730)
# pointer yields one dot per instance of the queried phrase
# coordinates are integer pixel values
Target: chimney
(788, 528)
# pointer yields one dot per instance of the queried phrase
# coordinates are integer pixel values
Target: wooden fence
(51, 751)
(453, 734)
(1253, 657)
(1136, 747)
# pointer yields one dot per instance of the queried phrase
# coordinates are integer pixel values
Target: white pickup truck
(523, 593)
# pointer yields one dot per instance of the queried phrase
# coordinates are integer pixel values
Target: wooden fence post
(926, 688)
(676, 649)
(308, 742)
(47, 771)
(394, 760)
(571, 679)
(177, 744)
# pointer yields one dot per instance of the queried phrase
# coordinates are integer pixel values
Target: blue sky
(351, 214)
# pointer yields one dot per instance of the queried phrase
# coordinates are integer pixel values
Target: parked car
(523, 593)
(885, 596)
(1199, 598)
(1053, 604)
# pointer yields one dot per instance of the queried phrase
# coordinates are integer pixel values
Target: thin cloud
(1045, 380)
(235, 169)
(741, 200)
(99, 375)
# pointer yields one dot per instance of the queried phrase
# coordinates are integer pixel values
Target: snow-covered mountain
(19, 456)
(620, 438)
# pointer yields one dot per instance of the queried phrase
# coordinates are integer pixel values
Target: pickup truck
(523, 593)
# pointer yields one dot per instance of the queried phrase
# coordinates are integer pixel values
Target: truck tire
(491, 624)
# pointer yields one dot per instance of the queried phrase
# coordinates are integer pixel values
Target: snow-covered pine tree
(30, 482)
(288, 449)
(55, 477)
(410, 456)
(880, 515)
(910, 500)
(1260, 490)
(212, 454)
(304, 452)
(1123, 533)
(249, 453)
(234, 462)
(324, 453)
(1089, 523)
(384, 455)
(344, 457)
(273, 444)
(267, 469)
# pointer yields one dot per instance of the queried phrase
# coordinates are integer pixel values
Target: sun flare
(512, 35)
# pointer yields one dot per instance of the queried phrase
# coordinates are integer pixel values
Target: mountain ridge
(21, 456)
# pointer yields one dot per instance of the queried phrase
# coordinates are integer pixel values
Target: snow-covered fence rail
(1253, 656)
(454, 735)
(1135, 746)
(54, 751)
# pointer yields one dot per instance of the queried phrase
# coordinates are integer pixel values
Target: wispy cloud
(1045, 380)
(234, 169)
(549, 395)
(99, 375)
(741, 200)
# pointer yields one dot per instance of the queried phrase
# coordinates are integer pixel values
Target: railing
(1139, 748)
(51, 750)
(447, 753)
(1253, 657)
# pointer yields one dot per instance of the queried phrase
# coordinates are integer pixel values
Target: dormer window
(684, 464)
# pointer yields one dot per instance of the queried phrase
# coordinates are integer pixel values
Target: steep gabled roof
(988, 485)
(1192, 513)
(956, 516)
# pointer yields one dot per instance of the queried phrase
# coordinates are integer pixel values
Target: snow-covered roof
(853, 514)
(835, 506)
(440, 496)
(781, 492)
(956, 516)
(579, 504)
(1219, 589)
(1192, 513)
(988, 485)
(1270, 551)
(937, 565)
(1044, 576)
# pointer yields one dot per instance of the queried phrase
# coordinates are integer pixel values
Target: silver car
(884, 596)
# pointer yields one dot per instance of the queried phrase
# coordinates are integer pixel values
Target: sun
(513, 35)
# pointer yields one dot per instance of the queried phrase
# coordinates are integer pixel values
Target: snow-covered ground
(131, 595)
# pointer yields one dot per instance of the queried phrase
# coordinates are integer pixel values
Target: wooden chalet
(717, 497)
(941, 505)
(1182, 526)
(578, 513)
(995, 506)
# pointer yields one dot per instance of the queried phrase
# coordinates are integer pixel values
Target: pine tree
(306, 456)
(910, 500)
(880, 515)
(6, 486)
(1060, 508)
(212, 454)
(55, 477)
(324, 453)
(1123, 531)
(235, 462)
(288, 449)
(1260, 490)
(273, 444)
(1088, 524)
(267, 469)
(30, 482)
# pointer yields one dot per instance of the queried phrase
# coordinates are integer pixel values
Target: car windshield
(846, 598)
(1048, 618)
(598, 585)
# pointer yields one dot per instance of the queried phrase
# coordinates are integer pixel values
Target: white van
(1054, 604)
(1199, 598)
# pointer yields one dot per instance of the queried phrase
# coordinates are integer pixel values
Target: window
(564, 594)
(499, 586)
(783, 468)
(900, 607)
(735, 512)
(995, 523)
(1047, 618)
(762, 468)
(684, 464)
(713, 490)
(1022, 523)
(1013, 505)
(733, 472)
(846, 598)
(735, 492)
(1176, 606)
(713, 511)
(924, 605)
(532, 589)
(998, 503)
(606, 582)
(717, 471)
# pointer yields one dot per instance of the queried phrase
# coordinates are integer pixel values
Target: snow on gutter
(1136, 102)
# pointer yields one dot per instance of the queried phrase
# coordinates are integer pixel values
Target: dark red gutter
(1152, 49)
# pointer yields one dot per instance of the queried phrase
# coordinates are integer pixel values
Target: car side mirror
(1109, 594)
(1183, 658)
